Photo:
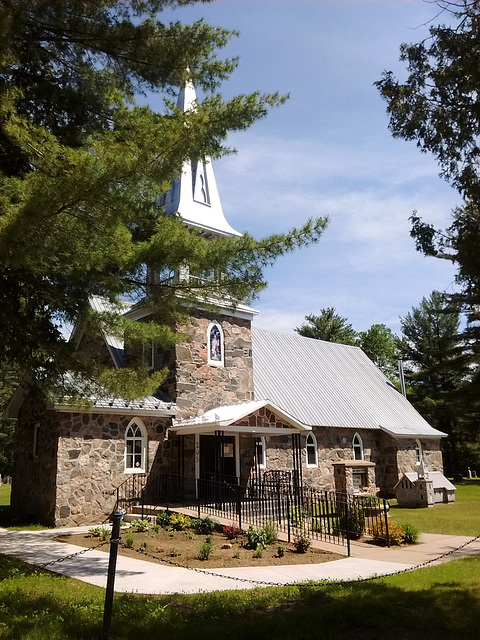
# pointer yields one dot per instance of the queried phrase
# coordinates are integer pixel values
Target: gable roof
(328, 384)
(438, 479)
(226, 416)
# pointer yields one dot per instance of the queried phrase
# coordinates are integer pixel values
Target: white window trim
(314, 442)
(263, 462)
(360, 441)
(221, 362)
(418, 452)
(143, 467)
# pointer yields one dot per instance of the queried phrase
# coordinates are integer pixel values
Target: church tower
(214, 367)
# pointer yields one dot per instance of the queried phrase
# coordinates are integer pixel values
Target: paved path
(139, 576)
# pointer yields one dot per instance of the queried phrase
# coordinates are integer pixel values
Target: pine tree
(328, 326)
(439, 107)
(82, 166)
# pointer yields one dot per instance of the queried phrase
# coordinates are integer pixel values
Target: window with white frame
(136, 447)
(311, 451)
(260, 452)
(418, 451)
(215, 344)
(357, 447)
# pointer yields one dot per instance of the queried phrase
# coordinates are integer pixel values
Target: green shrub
(191, 535)
(301, 543)
(140, 526)
(396, 533)
(255, 537)
(179, 522)
(271, 533)
(258, 553)
(205, 551)
(163, 519)
(297, 517)
(174, 553)
(411, 534)
(99, 532)
(129, 540)
(281, 550)
(354, 523)
(203, 526)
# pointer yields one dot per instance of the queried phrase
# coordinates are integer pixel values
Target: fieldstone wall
(34, 478)
(407, 459)
(91, 450)
(197, 386)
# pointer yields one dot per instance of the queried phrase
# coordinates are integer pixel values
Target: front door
(218, 458)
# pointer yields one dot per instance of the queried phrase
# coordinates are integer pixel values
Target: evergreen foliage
(431, 343)
(328, 326)
(438, 106)
(82, 166)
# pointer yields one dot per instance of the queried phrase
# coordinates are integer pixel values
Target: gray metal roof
(439, 481)
(327, 384)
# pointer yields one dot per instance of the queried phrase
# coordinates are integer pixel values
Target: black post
(288, 515)
(385, 515)
(347, 525)
(112, 563)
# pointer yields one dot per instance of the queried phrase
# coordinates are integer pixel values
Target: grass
(438, 603)
(459, 518)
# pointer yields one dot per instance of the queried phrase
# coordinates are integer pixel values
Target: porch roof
(224, 419)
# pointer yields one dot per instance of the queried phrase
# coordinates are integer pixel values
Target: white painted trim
(360, 440)
(210, 361)
(144, 465)
(311, 466)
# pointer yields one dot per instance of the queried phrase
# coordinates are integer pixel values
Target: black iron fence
(130, 492)
(322, 515)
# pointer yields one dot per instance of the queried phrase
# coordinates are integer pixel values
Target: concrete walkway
(139, 576)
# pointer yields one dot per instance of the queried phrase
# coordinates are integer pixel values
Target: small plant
(99, 532)
(232, 531)
(396, 533)
(281, 550)
(174, 553)
(297, 517)
(208, 539)
(205, 551)
(163, 519)
(258, 553)
(411, 534)
(179, 522)
(143, 546)
(156, 528)
(191, 535)
(301, 543)
(353, 523)
(203, 526)
(255, 537)
(129, 540)
(236, 554)
(140, 526)
(271, 533)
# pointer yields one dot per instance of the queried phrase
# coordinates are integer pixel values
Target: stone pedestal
(355, 477)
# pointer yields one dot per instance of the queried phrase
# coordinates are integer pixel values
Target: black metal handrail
(325, 515)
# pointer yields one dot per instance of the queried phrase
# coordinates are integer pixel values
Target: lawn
(459, 518)
(438, 603)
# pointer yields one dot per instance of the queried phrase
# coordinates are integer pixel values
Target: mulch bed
(182, 547)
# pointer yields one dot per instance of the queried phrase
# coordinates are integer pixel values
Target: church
(238, 403)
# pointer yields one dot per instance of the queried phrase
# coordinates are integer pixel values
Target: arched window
(215, 344)
(357, 447)
(418, 451)
(136, 447)
(260, 452)
(311, 450)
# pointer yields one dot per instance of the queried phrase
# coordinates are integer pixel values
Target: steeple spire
(194, 195)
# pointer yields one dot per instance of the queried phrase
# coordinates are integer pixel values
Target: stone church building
(238, 403)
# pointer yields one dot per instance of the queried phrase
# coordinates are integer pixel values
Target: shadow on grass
(443, 609)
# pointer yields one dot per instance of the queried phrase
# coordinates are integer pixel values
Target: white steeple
(194, 195)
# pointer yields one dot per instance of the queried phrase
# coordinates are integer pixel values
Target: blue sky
(328, 151)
